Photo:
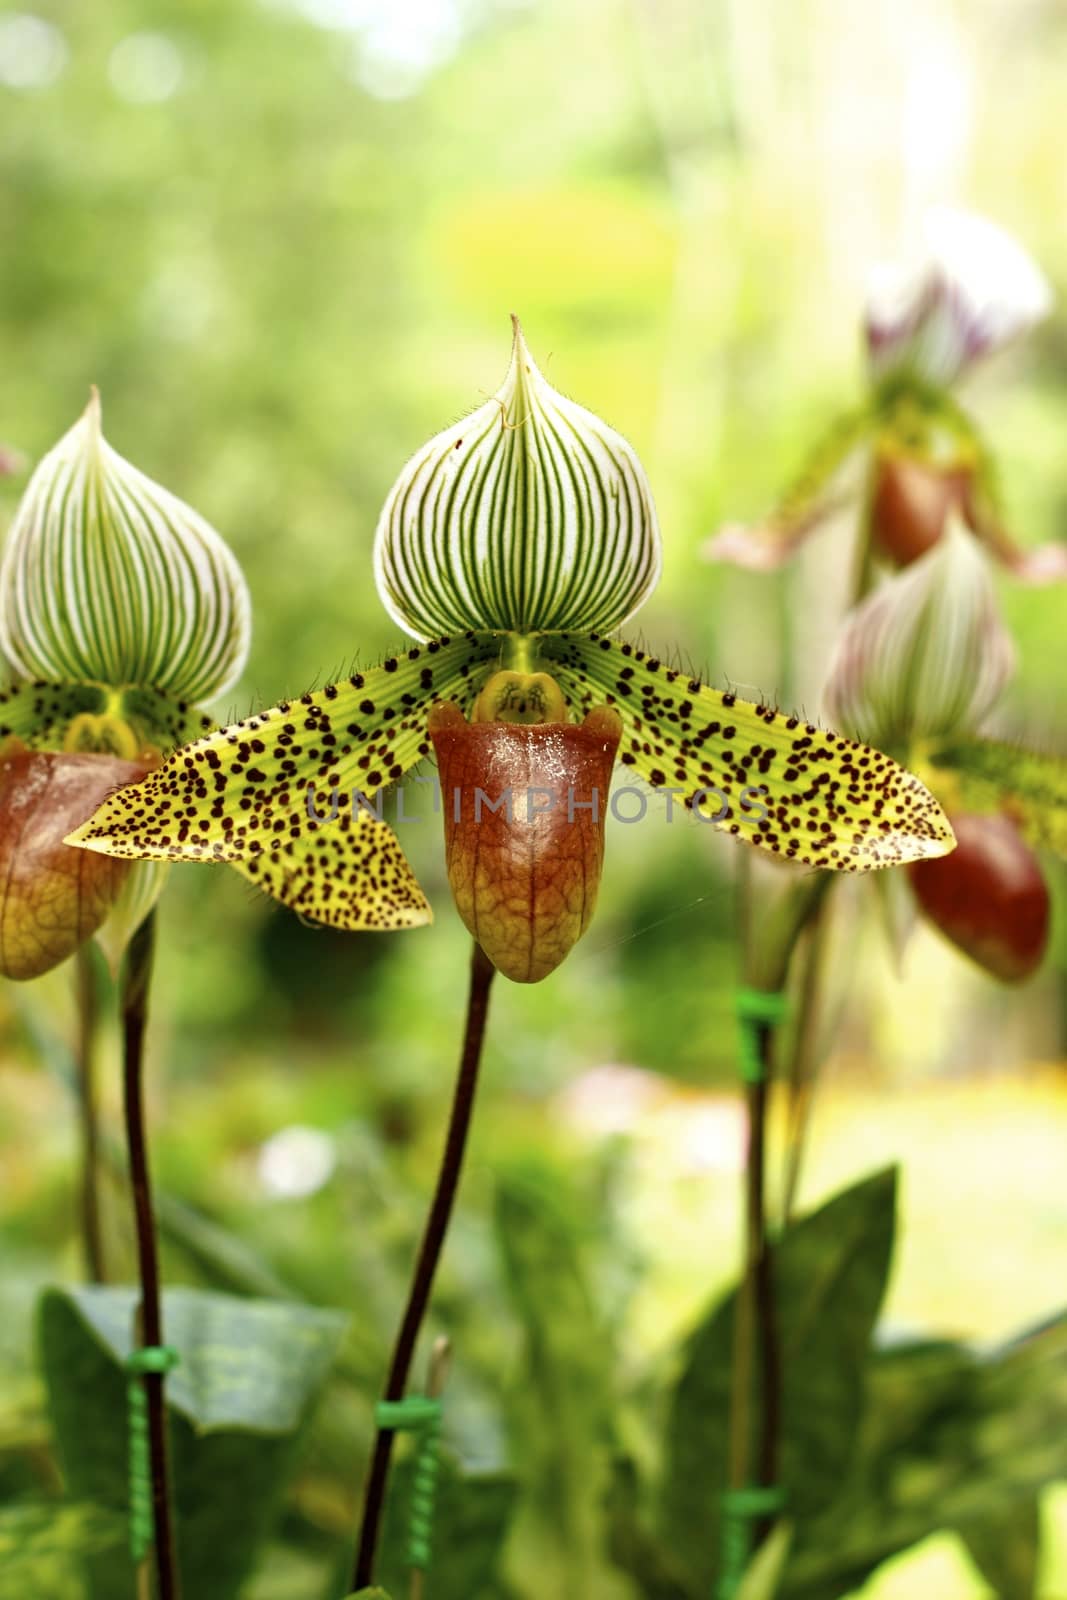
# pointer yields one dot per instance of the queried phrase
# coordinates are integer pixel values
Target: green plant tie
(756, 1009)
(740, 1507)
(149, 1358)
(421, 1415)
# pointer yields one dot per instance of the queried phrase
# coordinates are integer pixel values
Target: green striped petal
(260, 794)
(108, 577)
(771, 780)
(530, 514)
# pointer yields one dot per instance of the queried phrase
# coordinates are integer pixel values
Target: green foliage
(249, 1373)
(471, 1518)
(764, 1575)
(830, 1272)
(948, 1441)
(1004, 1544)
(562, 1404)
(43, 1545)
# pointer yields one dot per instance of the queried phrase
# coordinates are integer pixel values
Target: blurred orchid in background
(120, 609)
(919, 664)
(972, 290)
(511, 547)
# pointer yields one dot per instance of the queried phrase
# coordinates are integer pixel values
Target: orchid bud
(973, 290)
(926, 654)
(524, 804)
(109, 578)
(53, 898)
(989, 897)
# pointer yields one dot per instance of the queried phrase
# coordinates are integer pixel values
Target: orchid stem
(756, 1324)
(135, 986)
(448, 1176)
(88, 1020)
(802, 1071)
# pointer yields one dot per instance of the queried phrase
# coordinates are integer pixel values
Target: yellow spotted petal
(281, 795)
(769, 779)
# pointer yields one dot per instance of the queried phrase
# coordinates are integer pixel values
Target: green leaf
(562, 1404)
(1029, 785)
(260, 794)
(109, 578)
(763, 1576)
(1005, 1545)
(775, 782)
(471, 1518)
(633, 1545)
(947, 1442)
(529, 514)
(44, 1545)
(249, 1373)
(830, 1272)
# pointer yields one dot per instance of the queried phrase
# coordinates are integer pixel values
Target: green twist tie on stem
(739, 1508)
(756, 1009)
(421, 1415)
(148, 1359)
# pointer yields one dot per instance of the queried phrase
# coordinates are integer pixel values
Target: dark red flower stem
(88, 1117)
(135, 985)
(448, 1176)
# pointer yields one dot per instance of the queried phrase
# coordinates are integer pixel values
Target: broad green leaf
(109, 578)
(1005, 1545)
(249, 1373)
(1029, 785)
(562, 1403)
(776, 782)
(947, 1442)
(471, 1518)
(830, 1272)
(244, 1363)
(529, 514)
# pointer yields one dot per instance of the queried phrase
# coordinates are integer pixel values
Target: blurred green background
(283, 238)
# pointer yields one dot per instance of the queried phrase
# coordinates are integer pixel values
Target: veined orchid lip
(524, 875)
(55, 897)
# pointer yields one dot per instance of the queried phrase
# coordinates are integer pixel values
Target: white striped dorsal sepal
(530, 515)
(107, 577)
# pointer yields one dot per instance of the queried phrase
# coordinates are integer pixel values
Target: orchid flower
(510, 549)
(120, 609)
(972, 291)
(919, 666)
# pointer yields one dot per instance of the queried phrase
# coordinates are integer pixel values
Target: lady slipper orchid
(119, 607)
(973, 290)
(511, 547)
(926, 654)
(919, 665)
